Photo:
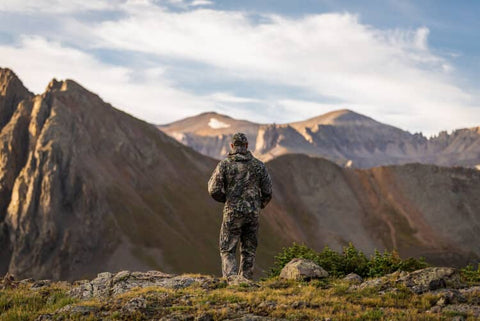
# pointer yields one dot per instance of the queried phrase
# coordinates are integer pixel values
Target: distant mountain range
(343, 136)
(86, 188)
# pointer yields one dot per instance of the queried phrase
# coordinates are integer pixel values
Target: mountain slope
(342, 136)
(95, 187)
(421, 210)
(86, 188)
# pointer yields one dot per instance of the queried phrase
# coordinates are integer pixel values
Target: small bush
(289, 253)
(470, 274)
(350, 260)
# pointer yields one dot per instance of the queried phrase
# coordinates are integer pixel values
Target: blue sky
(411, 64)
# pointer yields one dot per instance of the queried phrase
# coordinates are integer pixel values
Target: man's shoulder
(257, 162)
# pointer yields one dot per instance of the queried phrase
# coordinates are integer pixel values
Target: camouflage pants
(237, 228)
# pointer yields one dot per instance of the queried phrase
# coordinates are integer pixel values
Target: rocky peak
(12, 91)
(65, 85)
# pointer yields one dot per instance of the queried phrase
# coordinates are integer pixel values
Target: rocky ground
(428, 294)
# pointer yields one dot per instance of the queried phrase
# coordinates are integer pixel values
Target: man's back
(241, 182)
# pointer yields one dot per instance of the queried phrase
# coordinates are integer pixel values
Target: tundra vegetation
(195, 297)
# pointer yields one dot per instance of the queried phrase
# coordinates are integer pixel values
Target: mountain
(345, 137)
(421, 210)
(209, 133)
(86, 188)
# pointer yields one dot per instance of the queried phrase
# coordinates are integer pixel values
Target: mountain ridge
(85, 187)
(343, 136)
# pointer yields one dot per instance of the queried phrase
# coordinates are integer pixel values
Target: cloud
(57, 6)
(327, 61)
(197, 3)
(331, 55)
(37, 61)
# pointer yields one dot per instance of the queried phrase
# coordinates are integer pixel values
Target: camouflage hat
(239, 139)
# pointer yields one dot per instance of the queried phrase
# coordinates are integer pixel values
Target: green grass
(25, 304)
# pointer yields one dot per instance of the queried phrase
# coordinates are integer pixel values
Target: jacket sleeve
(266, 187)
(216, 184)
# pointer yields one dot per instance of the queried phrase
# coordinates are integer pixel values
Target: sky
(410, 64)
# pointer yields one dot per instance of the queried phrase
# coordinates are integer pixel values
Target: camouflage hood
(238, 156)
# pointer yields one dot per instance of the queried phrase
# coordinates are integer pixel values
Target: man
(241, 182)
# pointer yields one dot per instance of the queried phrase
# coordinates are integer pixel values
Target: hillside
(85, 185)
(342, 136)
(422, 210)
(86, 188)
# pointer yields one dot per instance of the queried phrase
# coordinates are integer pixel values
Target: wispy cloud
(333, 60)
(58, 6)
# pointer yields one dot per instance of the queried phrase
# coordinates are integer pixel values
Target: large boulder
(302, 269)
(420, 281)
(432, 278)
(353, 278)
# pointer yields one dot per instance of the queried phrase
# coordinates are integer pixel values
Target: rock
(102, 284)
(268, 305)
(435, 309)
(239, 280)
(450, 296)
(8, 281)
(302, 269)
(382, 283)
(45, 317)
(431, 278)
(420, 281)
(81, 290)
(77, 310)
(353, 278)
(107, 284)
(26, 281)
(40, 284)
(204, 317)
(134, 305)
(252, 317)
(463, 309)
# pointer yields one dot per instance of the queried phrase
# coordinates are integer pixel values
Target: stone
(72, 309)
(353, 278)
(135, 304)
(463, 309)
(252, 317)
(302, 269)
(8, 281)
(40, 284)
(450, 296)
(204, 317)
(107, 284)
(432, 278)
(239, 280)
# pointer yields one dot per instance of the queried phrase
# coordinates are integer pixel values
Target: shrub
(291, 252)
(350, 260)
(470, 274)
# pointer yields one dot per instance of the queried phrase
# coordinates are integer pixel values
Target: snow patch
(217, 124)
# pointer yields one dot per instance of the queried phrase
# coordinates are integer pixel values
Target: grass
(23, 303)
(290, 300)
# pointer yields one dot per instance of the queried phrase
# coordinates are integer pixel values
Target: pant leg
(229, 238)
(248, 245)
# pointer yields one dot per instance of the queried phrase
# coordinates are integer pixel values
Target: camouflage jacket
(241, 182)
